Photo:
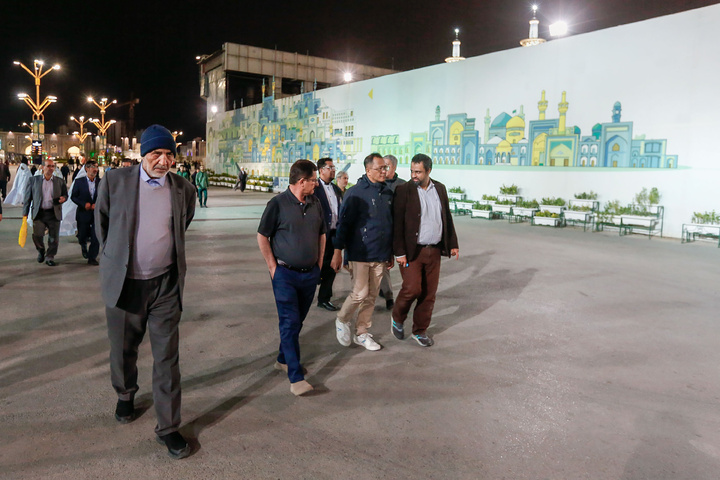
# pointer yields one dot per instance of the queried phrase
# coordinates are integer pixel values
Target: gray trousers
(153, 304)
(46, 220)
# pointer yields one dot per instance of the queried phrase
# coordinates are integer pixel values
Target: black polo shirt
(294, 228)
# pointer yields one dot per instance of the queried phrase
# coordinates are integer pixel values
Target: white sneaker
(342, 331)
(366, 340)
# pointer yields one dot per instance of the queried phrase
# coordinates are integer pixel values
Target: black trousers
(3, 188)
(46, 220)
(86, 233)
(154, 305)
(327, 274)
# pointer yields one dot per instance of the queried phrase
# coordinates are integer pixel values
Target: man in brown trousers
(423, 232)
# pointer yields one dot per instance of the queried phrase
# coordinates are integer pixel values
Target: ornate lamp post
(36, 105)
(101, 124)
(81, 135)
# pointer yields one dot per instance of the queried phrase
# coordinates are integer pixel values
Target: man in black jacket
(4, 178)
(330, 197)
(365, 231)
(84, 195)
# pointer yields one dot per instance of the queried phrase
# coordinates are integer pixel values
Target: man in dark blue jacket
(365, 232)
(330, 197)
(84, 195)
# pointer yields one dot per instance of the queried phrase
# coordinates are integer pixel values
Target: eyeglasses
(311, 180)
(156, 154)
(377, 169)
(329, 168)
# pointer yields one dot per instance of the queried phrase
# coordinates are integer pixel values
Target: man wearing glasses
(141, 216)
(291, 237)
(44, 197)
(330, 197)
(365, 232)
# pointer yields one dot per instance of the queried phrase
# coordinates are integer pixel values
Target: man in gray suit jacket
(46, 193)
(141, 216)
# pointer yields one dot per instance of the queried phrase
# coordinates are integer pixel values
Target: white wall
(664, 71)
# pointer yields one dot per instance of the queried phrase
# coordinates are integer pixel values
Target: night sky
(147, 49)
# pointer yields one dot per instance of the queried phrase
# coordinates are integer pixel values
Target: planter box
(581, 202)
(638, 220)
(502, 208)
(702, 229)
(546, 221)
(489, 214)
(486, 202)
(552, 208)
(456, 196)
(464, 205)
(578, 216)
(524, 212)
(512, 198)
(652, 208)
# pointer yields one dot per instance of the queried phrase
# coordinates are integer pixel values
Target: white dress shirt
(333, 201)
(48, 190)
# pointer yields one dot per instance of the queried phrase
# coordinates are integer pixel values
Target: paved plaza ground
(559, 354)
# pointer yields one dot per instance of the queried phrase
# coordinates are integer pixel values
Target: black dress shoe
(84, 251)
(389, 303)
(41, 257)
(177, 446)
(50, 263)
(125, 411)
(328, 306)
(92, 261)
(381, 294)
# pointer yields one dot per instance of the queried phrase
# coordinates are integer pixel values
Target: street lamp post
(81, 135)
(36, 105)
(176, 134)
(101, 124)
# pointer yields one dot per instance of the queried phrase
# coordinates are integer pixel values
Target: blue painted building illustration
(270, 136)
(547, 143)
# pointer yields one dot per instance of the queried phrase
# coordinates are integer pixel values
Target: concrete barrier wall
(611, 111)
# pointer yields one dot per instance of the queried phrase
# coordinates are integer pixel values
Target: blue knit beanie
(156, 136)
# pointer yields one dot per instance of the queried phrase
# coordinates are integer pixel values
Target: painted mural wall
(611, 111)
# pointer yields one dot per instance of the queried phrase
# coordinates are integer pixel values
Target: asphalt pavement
(559, 354)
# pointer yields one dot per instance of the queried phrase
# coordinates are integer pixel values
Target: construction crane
(131, 114)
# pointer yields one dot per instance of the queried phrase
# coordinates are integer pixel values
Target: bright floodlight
(90, 99)
(22, 95)
(56, 66)
(534, 7)
(213, 109)
(113, 121)
(558, 29)
(348, 77)
(16, 62)
(39, 62)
